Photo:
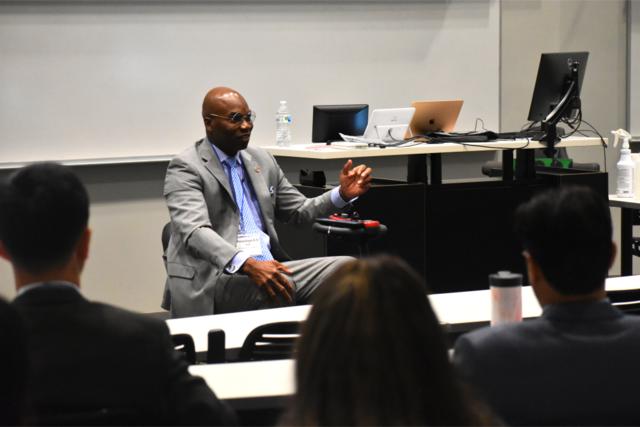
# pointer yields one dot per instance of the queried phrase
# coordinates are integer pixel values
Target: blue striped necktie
(248, 223)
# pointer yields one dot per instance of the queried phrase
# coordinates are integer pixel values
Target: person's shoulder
(632, 321)
(188, 153)
(504, 335)
(135, 322)
(258, 152)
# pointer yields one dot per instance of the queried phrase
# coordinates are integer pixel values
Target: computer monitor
(331, 120)
(389, 124)
(556, 95)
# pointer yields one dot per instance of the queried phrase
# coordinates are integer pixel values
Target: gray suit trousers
(236, 292)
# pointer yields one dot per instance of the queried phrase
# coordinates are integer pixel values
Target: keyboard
(349, 144)
(360, 139)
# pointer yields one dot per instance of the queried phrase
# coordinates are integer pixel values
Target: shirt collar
(221, 154)
(37, 285)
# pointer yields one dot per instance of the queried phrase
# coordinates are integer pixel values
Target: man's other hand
(268, 275)
(354, 181)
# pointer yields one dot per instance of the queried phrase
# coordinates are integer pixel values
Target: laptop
(434, 116)
(385, 125)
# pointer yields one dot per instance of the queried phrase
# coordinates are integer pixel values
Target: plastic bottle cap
(504, 279)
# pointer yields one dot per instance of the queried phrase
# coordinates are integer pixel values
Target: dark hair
(372, 353)
(567, 231)
(44, 208)
(13, 367)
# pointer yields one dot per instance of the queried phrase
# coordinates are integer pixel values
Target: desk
(250, 385)
(455, 308)
(254, 385)
(416, 170)
(448, 221)
(235, 325)
(627, 206)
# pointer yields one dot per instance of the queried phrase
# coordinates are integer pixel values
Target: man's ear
(208, 124)
(82, 249)
(614, 252)
(533, 271)
(3, 252)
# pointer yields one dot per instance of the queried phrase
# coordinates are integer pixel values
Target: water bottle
(283, 125)
(506, 297)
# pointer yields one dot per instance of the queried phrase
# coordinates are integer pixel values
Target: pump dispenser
(625, 165)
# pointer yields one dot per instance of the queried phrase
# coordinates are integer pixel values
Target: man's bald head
(219, 98)
(220, 104)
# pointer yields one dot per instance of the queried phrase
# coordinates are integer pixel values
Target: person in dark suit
(577, 364)
(89, 362)
(13, 367)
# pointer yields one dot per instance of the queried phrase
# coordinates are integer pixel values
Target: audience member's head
(44, 209)
(13, 367)
(372, 353)
(566, 234)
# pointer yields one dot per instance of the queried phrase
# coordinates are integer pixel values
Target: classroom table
(463, 310)
(268, 384)
(627, 207)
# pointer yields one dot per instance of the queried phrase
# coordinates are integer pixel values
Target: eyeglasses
(237, 117)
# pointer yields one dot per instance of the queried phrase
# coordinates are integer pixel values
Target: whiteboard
(125, 80)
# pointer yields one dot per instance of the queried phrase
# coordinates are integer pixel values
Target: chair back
(166, 235)
(627, 300)
(271, 341)
(183, 343)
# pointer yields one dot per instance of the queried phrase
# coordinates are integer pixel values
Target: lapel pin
(257, 169)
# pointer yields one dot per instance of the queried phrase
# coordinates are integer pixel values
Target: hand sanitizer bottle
(625, 165)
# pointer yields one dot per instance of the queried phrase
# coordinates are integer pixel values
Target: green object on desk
(548, 162)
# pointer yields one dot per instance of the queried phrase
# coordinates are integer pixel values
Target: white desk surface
(323, 152)
(249, 384)
(623, 202)
(235, 325)
(451, 308)
(269, 383)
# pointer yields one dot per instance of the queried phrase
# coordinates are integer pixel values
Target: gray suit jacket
(578, 364)
(205, 220)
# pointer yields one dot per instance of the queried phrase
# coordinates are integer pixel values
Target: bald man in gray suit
(223, 197)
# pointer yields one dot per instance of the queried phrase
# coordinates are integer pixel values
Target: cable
(475, 144)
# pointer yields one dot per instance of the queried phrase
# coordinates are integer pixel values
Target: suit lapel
(213, 165)
(256, 177)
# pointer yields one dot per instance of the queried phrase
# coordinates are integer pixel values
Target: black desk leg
(525, 164)
(626, 236)
(436, 168)
(417, 168)
(507, 165)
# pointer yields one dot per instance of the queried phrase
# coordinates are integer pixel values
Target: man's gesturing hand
(354, 181)
(268, 275)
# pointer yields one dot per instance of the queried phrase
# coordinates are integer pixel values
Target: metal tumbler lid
(505, 279)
